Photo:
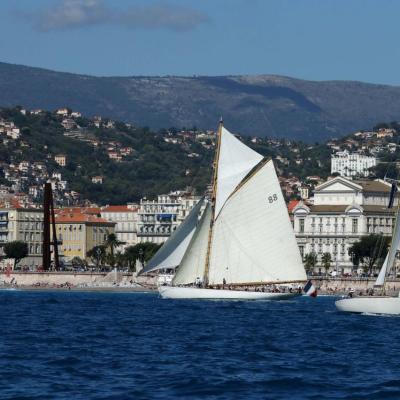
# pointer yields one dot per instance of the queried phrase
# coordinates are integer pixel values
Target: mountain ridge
(261, 105)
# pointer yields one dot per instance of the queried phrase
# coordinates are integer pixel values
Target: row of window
(354, 225)
(32, 236)
(162, 230)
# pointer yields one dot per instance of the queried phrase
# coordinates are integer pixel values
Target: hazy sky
(310, 39)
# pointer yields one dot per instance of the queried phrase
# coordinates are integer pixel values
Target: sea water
(71, 345)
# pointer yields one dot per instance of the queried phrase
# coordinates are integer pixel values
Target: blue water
(69, 345)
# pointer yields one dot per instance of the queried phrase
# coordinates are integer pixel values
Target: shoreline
(111, 289)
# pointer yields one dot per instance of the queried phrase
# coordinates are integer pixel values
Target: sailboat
(378, 304)
(243, 245)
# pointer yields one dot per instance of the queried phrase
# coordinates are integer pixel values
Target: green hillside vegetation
(155, 166)
(158, 162)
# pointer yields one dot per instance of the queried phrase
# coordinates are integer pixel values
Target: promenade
(342, 285)
(106, 281)
(122, 281)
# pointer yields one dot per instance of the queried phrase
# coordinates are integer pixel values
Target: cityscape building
(343, 211)
(23, 224)
(78, 232)
(157, 219)
(351, 164)
(125, 217)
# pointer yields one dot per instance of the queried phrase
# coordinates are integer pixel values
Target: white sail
(171, 253)
(382, 273)
(193, 262)
(390, 257)
(235, 161)
(253, 239)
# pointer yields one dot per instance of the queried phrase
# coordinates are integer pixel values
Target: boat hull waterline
(174, 292)
(370, 305)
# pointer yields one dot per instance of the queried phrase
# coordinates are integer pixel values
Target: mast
(213, 199)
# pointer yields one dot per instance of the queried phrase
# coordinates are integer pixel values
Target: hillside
(264, 105)
(111, 162)
(132, 162)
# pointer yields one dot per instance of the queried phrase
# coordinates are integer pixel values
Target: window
(301, 248)
(354, 226)
(301, 225)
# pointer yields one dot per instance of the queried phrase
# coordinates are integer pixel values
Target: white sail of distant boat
(391, 256)
(381, 304)
(244, 238)
(170, 254)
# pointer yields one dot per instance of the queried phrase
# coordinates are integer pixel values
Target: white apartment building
(157, 219)
(342, 212)
(125, 217)
(351, 164)
(25, 224)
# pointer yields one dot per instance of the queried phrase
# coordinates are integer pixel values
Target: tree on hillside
(369, 249)
(380, 125)
(16, 250)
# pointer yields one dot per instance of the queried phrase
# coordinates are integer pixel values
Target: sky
(307, 39)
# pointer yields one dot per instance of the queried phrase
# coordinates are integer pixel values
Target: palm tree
(97, 255)
(310, 260)
(326, 262)
(112, 243)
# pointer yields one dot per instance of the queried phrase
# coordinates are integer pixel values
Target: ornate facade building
(341, 213)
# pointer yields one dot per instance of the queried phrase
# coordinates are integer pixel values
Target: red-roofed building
(81, 210)
(291, 205)
(78, 232)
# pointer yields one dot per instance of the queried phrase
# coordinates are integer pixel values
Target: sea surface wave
(71, 345)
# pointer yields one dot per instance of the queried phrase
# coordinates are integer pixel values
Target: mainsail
(253, 240)
(193, 262)
(171, 253)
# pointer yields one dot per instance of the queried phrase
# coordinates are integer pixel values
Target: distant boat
(243, 245)
(378, 304)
